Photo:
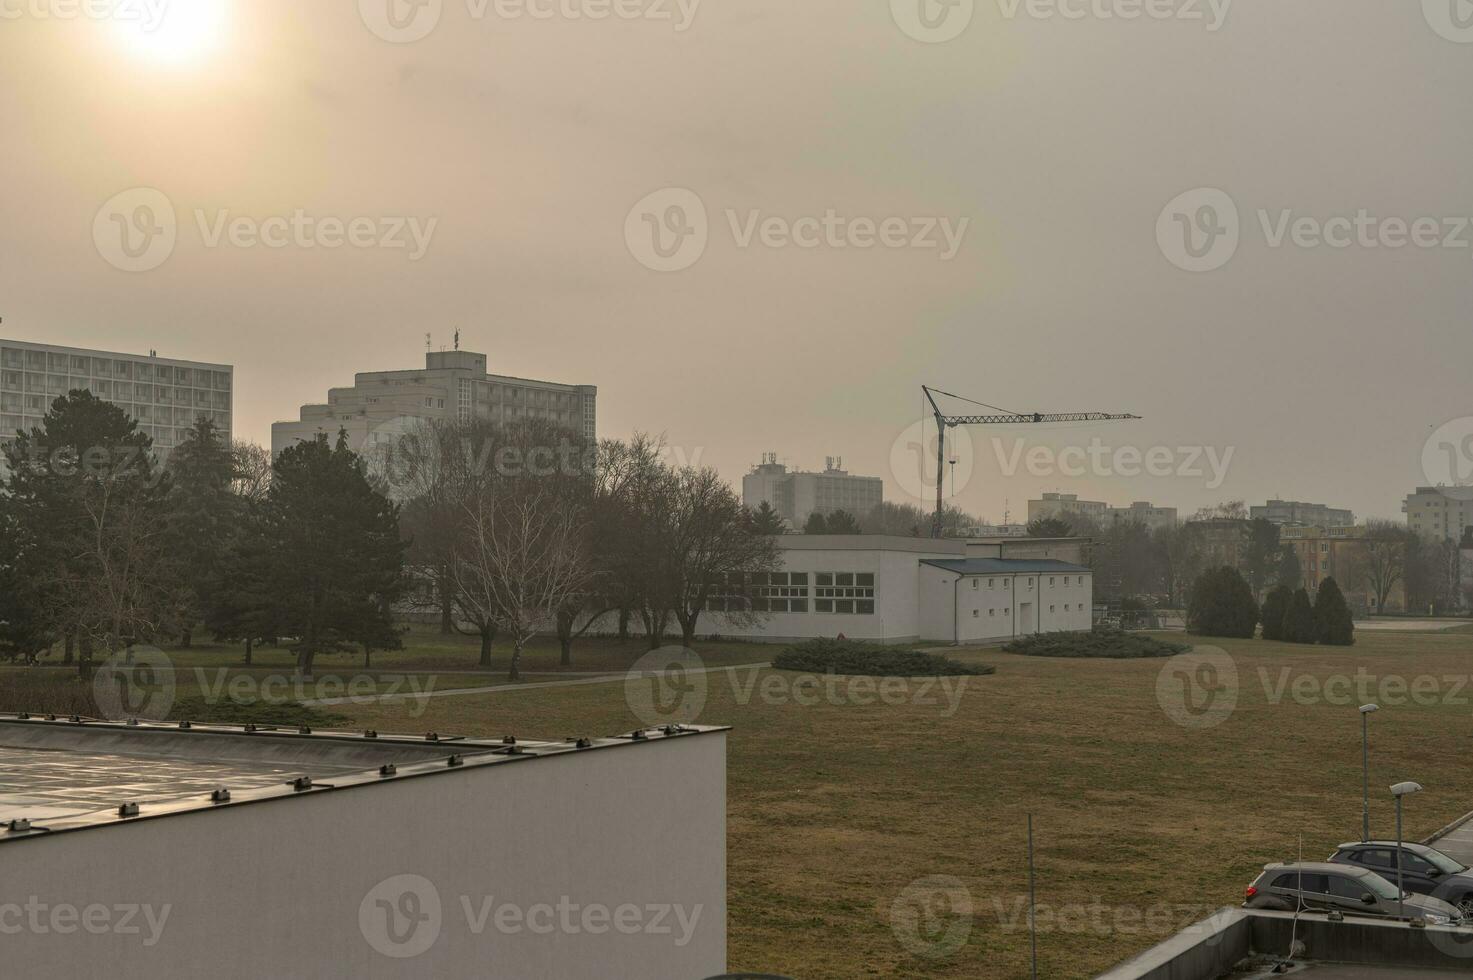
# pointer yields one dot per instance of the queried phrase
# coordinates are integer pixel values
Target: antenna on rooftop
(429, 343)
(457, 338)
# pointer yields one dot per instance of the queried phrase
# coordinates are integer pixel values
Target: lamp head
(1406, 789)
(1366, 709)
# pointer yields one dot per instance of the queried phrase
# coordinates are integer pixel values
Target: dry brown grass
(835, 809)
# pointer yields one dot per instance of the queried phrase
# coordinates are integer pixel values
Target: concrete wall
(999, 607)
(290, 888)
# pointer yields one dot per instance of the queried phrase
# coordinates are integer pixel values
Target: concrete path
(498, 688)
(1409, 625)
(1458, 842)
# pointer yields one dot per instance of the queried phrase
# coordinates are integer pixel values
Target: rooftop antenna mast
(1002, 417)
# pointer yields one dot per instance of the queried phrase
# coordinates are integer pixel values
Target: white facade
(1439, 513)
(982, 600)
(1066, 505)
(885, 589)
(452, 385)
(166, 396)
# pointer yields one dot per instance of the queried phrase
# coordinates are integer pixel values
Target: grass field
(843, 815)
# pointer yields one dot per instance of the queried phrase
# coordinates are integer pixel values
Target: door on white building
(1026, 622)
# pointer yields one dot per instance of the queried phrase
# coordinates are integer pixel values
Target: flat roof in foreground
(59, 774)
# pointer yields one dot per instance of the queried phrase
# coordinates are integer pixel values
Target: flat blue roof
(1004, 566)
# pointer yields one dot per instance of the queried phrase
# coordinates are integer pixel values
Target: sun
(174, 32)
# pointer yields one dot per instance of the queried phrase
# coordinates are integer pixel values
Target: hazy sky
(1046, 138)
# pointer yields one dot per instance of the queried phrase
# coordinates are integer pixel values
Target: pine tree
(1334, 624)
(204, 514)
(816, 524)
(1299, 621)
(1222, 605)
(842, 522)
(766, 520)
(336, 554)
(1275, 607)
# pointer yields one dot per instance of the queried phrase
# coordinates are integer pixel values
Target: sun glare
(174, 31)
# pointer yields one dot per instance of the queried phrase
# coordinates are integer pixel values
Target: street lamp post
(1365, 770)
(1398, 791)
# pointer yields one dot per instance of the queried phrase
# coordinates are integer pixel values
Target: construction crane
(1003, 417)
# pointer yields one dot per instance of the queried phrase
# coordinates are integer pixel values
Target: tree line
(501, 530)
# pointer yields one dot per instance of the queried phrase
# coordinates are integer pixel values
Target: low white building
(905, 590)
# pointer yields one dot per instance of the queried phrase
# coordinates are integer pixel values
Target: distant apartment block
(1291, 512)
(451, 385)
(995, 531)
(1439, 512)
(166, 396)
(1067, 505)
(1339, 553)
(797, 494)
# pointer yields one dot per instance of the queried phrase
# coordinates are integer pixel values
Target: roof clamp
(432, 737)
(19, 826)
(388, 769)
(75, 719)
(675, 729)
(128, 810)
(583, 743)
(509, 740)
(302, 783)
(186, 725)
(455, 760)
(305, 730)
(370, 733)
(22, 716)
(132, 723)
(50, 717)
(249, 729)
(221, 795)
(638, 735)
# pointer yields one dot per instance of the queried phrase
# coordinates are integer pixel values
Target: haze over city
(526, 142)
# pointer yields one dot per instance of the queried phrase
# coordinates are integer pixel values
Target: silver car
(1323, 887)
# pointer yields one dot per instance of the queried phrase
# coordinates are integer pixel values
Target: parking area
(1458, 844)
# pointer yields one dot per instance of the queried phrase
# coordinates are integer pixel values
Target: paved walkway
(1409, 625)
(1457, 844)
(498, 688)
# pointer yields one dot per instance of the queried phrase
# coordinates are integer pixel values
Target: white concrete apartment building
(1295, 512)
(1439, 512)
(382, 405)
(1066, 505)
(797, 494)
(165, 395)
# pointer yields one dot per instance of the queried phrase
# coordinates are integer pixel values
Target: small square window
(844, 605)
(974, 583)
(974, 614)
(823, 578)
(845, 579)
(823, 605)
(865, 607)
(865, 580)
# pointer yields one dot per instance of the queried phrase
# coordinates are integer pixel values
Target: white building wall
(995, 607)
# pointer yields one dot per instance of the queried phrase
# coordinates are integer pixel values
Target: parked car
(1342, 888)
(1424, 870)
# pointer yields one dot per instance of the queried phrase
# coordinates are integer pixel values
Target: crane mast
(944, 422)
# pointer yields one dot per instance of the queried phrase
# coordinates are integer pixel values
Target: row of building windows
(18, 382)
(77, 365)
(847, 593)
(1006, 583)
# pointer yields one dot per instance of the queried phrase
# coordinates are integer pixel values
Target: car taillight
(1251, 892)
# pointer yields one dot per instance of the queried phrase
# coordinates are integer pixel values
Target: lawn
(837, 810)
(844, 808)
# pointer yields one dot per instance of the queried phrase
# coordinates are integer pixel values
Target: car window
(1306, 882)
(1379, 857)
(1443, 862)
(1343, 887)
(1410, 862)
